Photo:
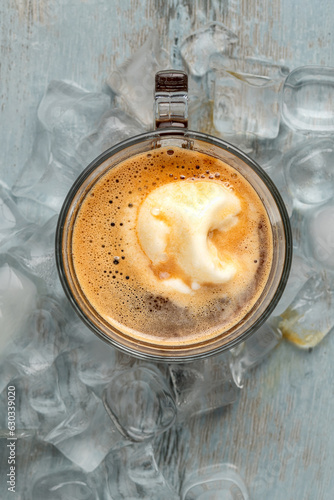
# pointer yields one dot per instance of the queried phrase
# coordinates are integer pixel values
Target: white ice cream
(175, 223)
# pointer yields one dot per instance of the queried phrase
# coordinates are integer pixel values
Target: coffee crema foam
(130, 289)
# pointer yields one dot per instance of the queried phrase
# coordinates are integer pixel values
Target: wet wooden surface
(279, 433)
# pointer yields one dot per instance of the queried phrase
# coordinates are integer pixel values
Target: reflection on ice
(200, 46)
(308, 99)
(133, 81)
(217, 482)
(203, 386)
(15, 288)
(309, 171)
(140, 403)
(310, 316)
(247, 96)
(320, 243)
(133, 473)
(67, 484)
(255, 349)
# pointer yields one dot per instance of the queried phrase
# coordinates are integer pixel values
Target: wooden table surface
(279, 432)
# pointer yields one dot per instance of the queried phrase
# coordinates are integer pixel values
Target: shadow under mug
(171, 123)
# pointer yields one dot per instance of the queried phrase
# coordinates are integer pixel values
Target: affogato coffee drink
(172, 247)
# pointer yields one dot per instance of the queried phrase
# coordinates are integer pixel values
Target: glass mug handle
(171, 99)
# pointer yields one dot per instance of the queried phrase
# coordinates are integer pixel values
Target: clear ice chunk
(36, 164)
(203, 385)
(247, 96)
(145, 473)
(36, 461)
(95, 364)
(253, 351)
(309, 171)
(14, 228)
(86, 435)
(310, 316)
(26, 418)
(38, 254)
(133, 82)
(67, 113)
(114, 127)
(320, 240)
(16, 288)
(63, 485)
(197, 49)
(42, 341)
(74, 393)
(134, 474)
(76, 332)
(44, 394)
(52, 186)
(300, 272)
(275, 170)
(217, 482)
(308, 96)
(140, 403)
(8, 372)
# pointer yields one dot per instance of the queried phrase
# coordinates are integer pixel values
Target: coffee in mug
(174, 244)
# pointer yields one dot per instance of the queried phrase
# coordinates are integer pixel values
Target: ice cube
(201, 103)
(36, 164)
(308, 98)
(27, 421)
(320, 241)
(47, 474)
(217, 482)
(139, 402)
(52, 186)
(16, 287)
(43, 393)
(247, 97)
(38, 254)
(300, 272)
(133, 473)
(63, 485)
(69, 113)
(33, 461)
(87, 435)
(33, 210)
(83, 432)
(204, 385)
(8, 372)
(309, 171)
(14, 227)
(114, 127)
(75, 332)
(144, 472)
(310, 317)
(272, 161)
(197, 48)
(133, 82)
(95, 364)
(42, 340)
(253, 351)
(74, 393)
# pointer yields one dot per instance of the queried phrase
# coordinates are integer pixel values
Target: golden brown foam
(117, 277)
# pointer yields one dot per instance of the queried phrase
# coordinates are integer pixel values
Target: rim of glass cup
(195, 351)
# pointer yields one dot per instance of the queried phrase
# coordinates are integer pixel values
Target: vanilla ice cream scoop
(175, 225)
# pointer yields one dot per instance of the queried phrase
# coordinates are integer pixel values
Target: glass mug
(171, 131)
